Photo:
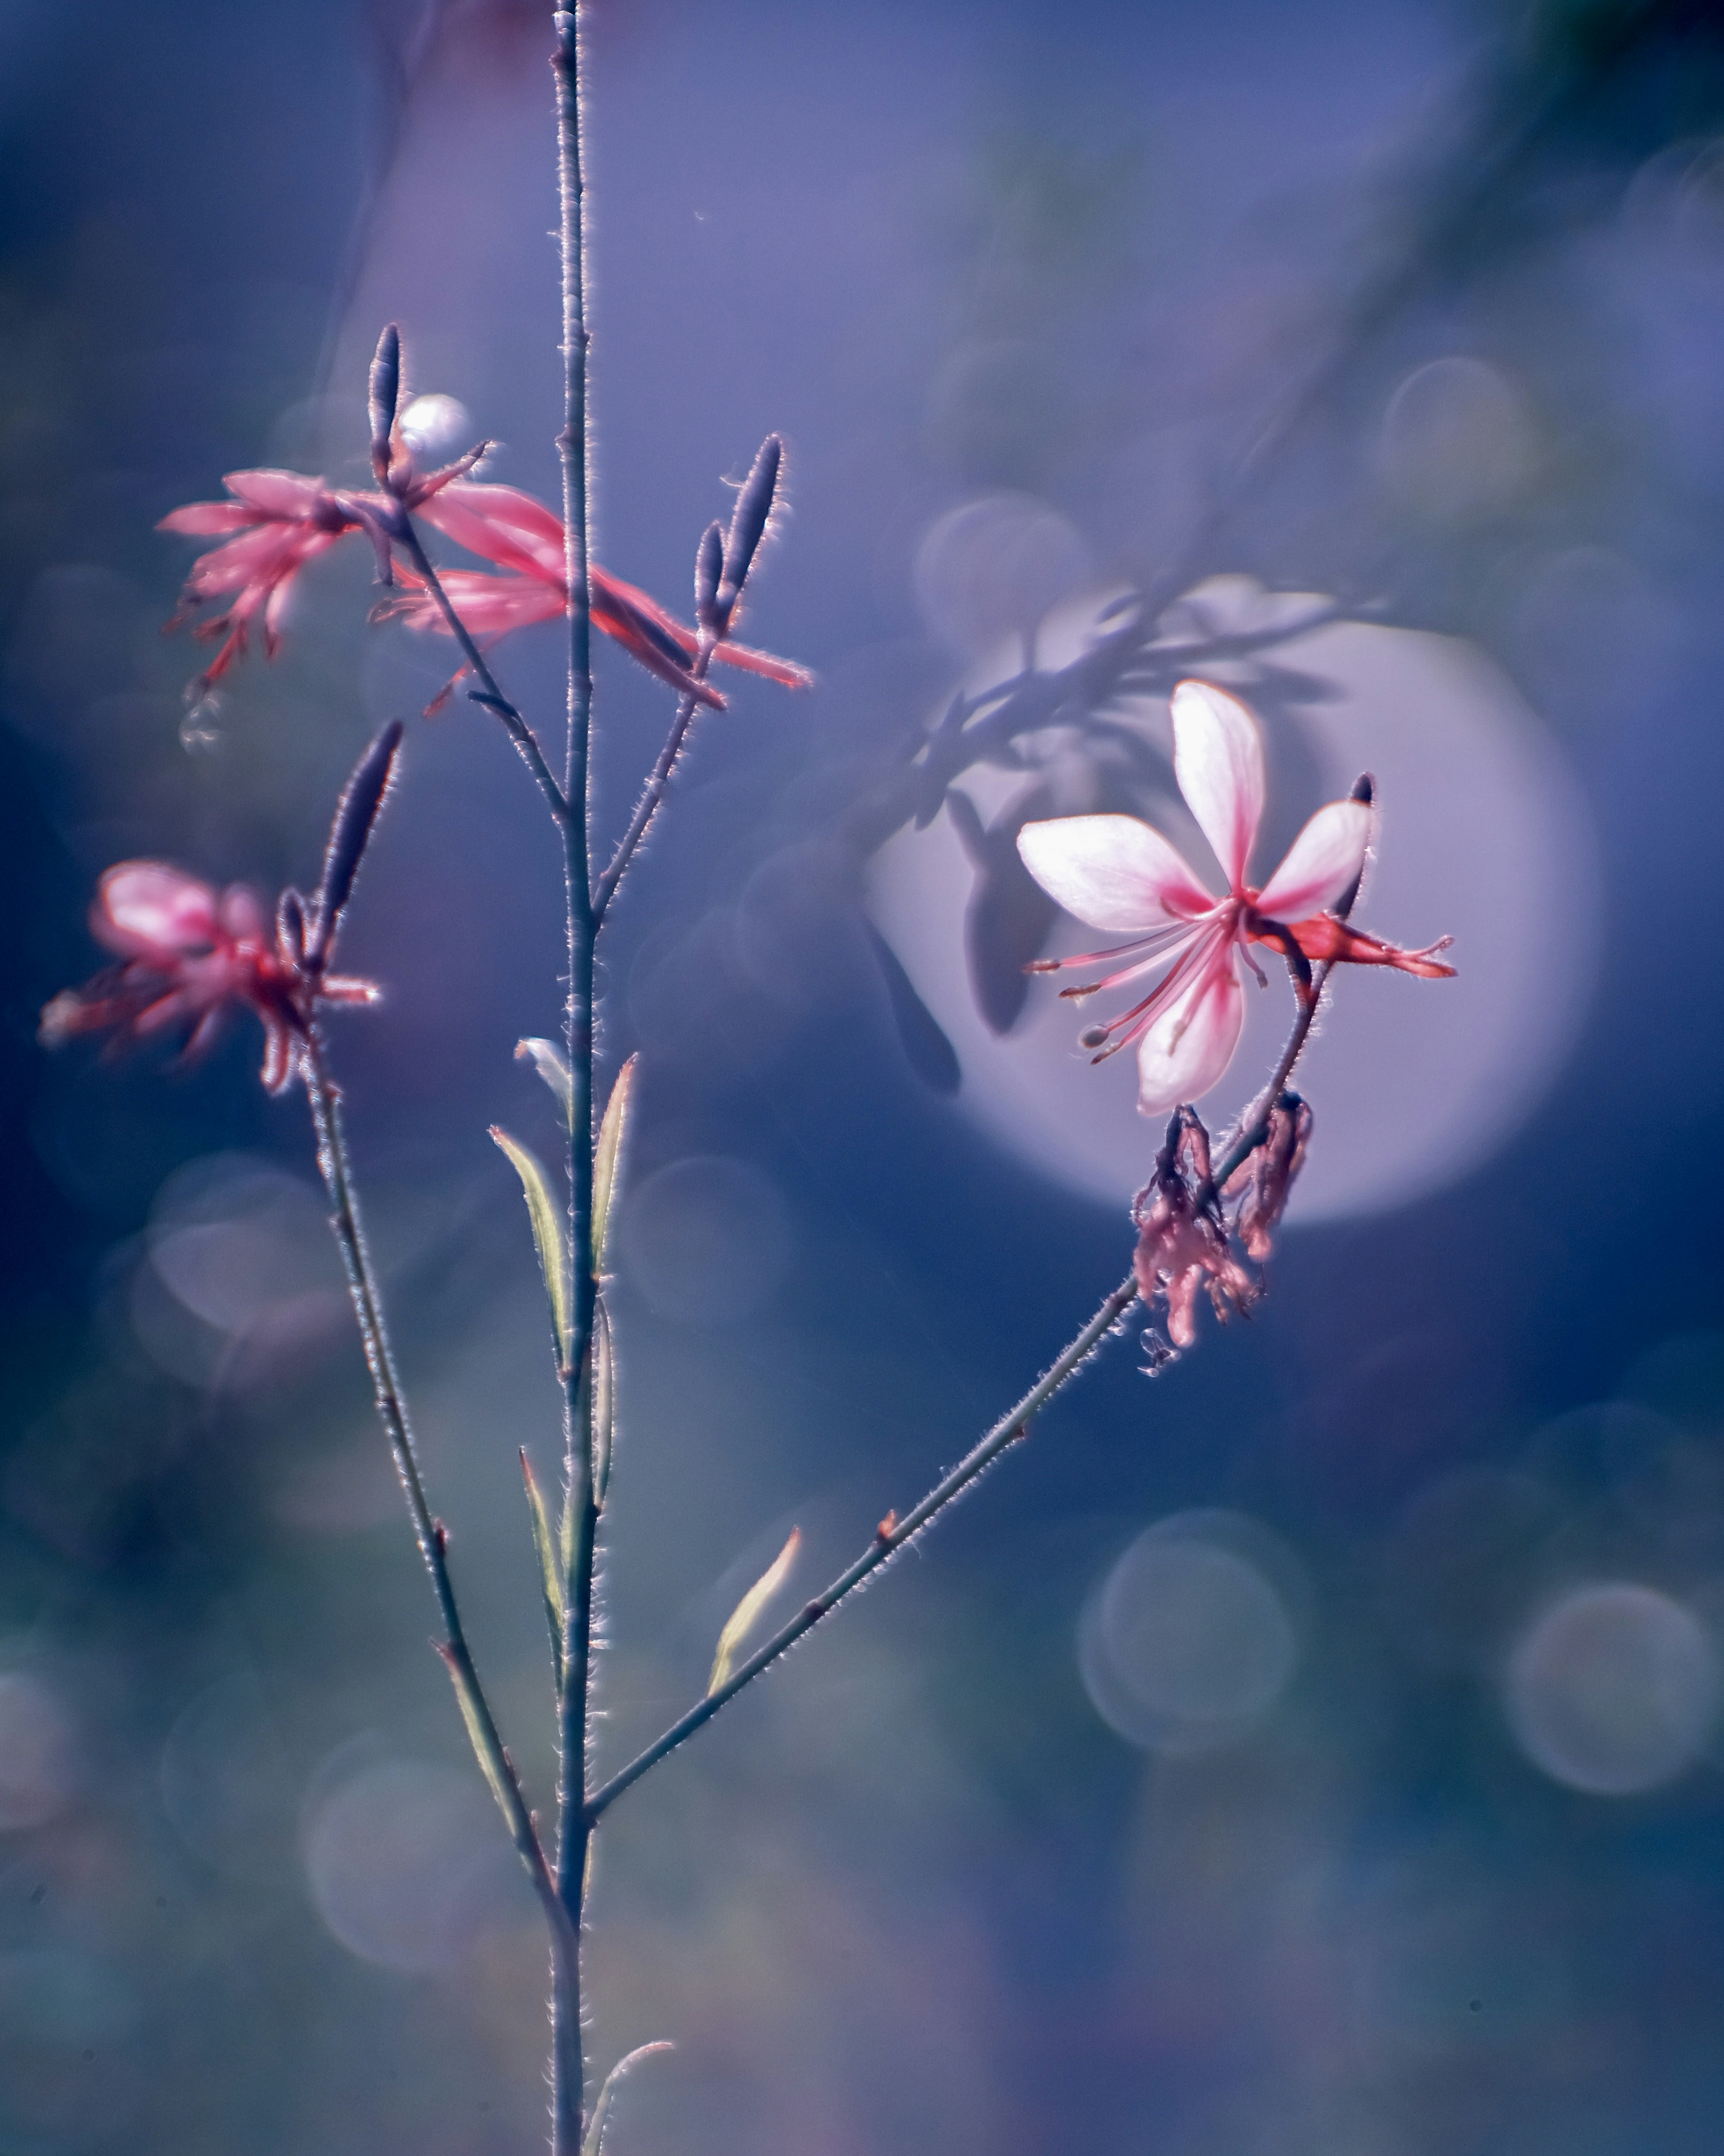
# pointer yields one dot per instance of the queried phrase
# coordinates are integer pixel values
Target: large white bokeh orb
(1483, 836)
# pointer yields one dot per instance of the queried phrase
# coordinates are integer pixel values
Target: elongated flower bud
(290, 927)
(349, 833)
(1363, 789)
(709, 574)
(385, 395)
(748, 523)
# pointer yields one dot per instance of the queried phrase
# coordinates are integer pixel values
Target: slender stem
(519, 732)
(1254, 1124)
(391, 1412)
(653, 793)
(887, 1541)
(574, 1830)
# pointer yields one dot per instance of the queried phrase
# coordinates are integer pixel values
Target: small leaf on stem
(349, 835)
(547, 1218)
(551, 1573)
(608, 1158)
(604, 1400)
(747, 1612)
(602, 2102)
(552, 1065)
(464, 1694)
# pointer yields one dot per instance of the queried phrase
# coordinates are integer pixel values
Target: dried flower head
(1183, 1244)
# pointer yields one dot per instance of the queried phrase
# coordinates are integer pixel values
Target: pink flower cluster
(279, 522)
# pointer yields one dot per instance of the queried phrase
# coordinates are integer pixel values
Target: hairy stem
(653, 793)
(491, 696)
(337, 1173)
(887, 1541)
(574, 1831)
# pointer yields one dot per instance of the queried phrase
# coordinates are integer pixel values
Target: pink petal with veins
(1218, 759)
(502, 524)
(1191, 1044)
(1112, 871)
(1321, 862)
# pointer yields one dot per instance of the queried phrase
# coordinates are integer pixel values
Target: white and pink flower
(1119, 874)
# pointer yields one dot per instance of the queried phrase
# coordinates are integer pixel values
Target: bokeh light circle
(705, 1239)
(1613, 1689)
(1190, 1641)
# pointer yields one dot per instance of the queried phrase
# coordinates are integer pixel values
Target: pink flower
(526, 539)
(188, 956)
(1117, 873)
(279, 522)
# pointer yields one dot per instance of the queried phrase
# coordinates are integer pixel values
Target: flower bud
(748, 523)
(385, 395)
(290, 927)
(1363, 789)
(349, 833)
(709, 574)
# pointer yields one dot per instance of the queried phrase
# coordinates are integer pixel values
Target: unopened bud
(709, 574)
(385, 395)
(290, 927)
(748, 523)
(1363, 789)
(349, 835)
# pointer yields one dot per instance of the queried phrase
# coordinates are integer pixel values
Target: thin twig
(887, 1541)
(492, 698)
(391, 1412)
(653, 793)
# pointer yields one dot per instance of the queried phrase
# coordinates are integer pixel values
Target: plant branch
(491, 696)
(888, 1540)
(653, 793)
(391, 1412)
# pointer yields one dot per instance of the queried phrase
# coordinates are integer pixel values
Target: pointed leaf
(476, 1731)
(601, 2104)
(547, 1235)
(608, 1158)
(552, 1065)
(604, 1400)
(551, 1574)
(747, 1614)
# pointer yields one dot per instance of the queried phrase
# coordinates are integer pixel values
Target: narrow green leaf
(552, 1065)
(595, 2131)
(747, 1614)
(475, 1731)
(548, 1234)
(608, 1158)
(604, 1400)
(551, 1573)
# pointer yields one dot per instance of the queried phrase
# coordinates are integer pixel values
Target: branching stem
(653, 793)
(391, 1412)
(491, 696)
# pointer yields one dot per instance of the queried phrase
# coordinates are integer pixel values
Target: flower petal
(1112, 871)
(203, 518)
(1218, 759)
(1320, 864)
(502, 524)
(1189, 1046)
(151, 910)
(287, 495)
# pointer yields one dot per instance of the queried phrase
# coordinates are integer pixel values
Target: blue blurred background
(1316, 1749)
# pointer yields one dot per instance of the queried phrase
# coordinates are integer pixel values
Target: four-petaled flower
(1117, 873)
(186, 955)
